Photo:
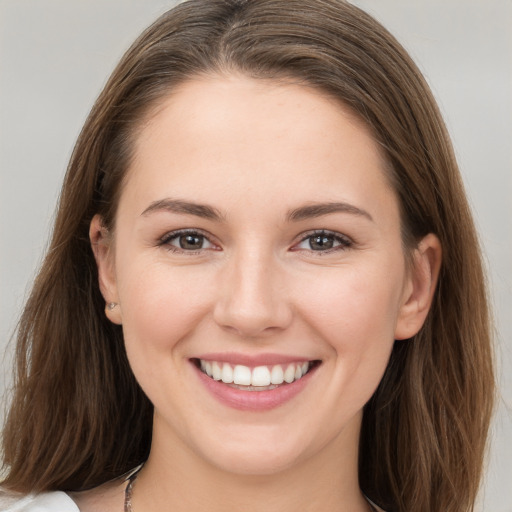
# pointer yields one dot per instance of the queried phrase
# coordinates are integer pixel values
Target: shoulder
(46, 502)
(108, 497)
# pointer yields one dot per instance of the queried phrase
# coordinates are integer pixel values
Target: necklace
(129, 490)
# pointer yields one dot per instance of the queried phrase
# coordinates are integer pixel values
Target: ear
(101, 243)
(420, 287)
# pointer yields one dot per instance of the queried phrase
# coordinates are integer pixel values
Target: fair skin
(291, 256)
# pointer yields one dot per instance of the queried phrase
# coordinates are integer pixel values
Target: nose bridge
(252, 296)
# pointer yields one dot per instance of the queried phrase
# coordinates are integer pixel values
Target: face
(259, 271)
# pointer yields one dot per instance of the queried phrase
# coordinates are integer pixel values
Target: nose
(252, 300)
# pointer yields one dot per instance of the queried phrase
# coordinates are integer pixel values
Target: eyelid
(172, 235)
(345, 241)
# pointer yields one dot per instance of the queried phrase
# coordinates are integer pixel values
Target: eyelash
(175, 235)
(343, 241)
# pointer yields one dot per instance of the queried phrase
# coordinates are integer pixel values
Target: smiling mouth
(259, 378)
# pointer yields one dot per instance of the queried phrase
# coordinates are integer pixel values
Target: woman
(258, 284)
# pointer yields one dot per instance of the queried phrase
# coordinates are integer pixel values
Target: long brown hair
(79, 418)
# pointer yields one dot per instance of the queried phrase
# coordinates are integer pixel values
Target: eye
(323, 241)
(187, 241)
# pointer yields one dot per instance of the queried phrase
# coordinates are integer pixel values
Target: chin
(256, 463)
(256, 452)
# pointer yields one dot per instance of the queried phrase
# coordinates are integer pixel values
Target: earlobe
(420, 288)
(101, 245)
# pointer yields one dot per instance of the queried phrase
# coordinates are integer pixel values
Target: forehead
(256, 139)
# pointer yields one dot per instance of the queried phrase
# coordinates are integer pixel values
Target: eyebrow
(320, 209)
(184, 208)
(295, 215)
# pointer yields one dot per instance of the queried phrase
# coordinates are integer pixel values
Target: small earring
(111, 305)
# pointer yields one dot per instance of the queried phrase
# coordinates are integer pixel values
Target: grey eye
(187, 241)
(321, 242)
(190, 242)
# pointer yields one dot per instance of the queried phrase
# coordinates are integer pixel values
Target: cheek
(354, 314)
(354, 307)
(160, 305)
(161, 309)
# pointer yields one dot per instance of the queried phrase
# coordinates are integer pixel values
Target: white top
(57, 501)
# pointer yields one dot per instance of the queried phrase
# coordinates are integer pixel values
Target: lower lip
(254, 400)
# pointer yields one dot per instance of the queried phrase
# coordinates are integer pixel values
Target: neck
(175, 478)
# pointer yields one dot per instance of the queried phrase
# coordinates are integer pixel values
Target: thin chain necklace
(129, 490)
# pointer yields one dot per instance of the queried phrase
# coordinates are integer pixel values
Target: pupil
(320, 242)
(191, 242)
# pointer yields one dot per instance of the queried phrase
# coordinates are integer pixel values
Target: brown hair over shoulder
(78, 416)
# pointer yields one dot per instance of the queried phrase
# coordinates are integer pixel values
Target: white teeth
(242, 375)
(277, 375)
(260, 376)
(227, 374)
(216, 371)
(289, 374)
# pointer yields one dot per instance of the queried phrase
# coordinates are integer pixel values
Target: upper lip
(253, 360)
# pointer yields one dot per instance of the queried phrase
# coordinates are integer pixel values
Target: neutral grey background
(55, 55)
